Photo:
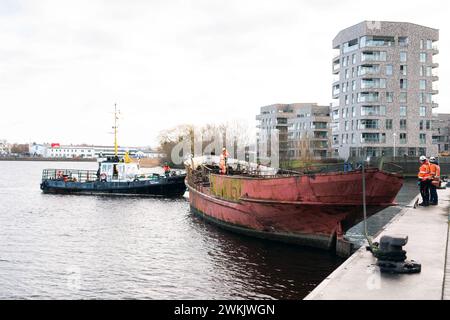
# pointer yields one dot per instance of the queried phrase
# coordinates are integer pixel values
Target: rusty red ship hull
(310, 210)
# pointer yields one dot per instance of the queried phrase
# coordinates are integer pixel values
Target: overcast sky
(63, 64)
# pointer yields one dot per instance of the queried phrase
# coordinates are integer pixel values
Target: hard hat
(223, 149)
(432, 159)
(422, 158)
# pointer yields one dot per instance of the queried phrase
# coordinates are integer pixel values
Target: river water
(99, 247)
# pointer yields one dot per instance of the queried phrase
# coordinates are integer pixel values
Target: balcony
(368, 70)
(368, 124)
(373, 138)
(319, 126)
(373, 111)
(434, 49)
(336, 91)
(373, 56)
(368, 97)
(336, 67)
(377, 41)
(350, 46)
(320, 135)
(375, 83)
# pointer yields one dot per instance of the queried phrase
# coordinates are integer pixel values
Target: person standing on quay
(435, 172)
(424, 176)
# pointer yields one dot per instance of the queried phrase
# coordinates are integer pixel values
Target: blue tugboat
(114, 176)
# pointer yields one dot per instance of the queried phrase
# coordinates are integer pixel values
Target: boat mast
(115, 130)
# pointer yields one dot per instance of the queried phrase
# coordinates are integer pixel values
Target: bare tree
(211, 138)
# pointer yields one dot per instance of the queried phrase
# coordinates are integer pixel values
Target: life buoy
(59, 175)
(103, 177)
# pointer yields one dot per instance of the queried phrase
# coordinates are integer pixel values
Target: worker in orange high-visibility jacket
(166, 169)
(424, 177)
(435, 171)
(223, 161)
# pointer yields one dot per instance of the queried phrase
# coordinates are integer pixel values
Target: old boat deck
(89, 182)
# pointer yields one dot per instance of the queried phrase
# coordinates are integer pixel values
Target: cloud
(63, 64)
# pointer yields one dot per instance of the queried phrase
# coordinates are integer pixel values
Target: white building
(93, 152)
(38, 150)
(70, 151)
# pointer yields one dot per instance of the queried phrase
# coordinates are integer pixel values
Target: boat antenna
(116, 117)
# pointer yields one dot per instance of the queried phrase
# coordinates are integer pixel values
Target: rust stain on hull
(309, 210)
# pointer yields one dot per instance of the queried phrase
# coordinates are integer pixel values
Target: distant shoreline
(46, 159)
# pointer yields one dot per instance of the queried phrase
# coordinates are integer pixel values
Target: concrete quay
(358, 278)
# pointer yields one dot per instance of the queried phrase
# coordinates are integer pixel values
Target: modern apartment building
(303, 128)
(441, 132)
(384, 86)
(309, 132)
(271, 118)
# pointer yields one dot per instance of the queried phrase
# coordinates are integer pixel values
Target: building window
(389, 96)
(370, 137)
(403, 138)
(389, 70)
(336, 114)
(353, 58)
(403, 41)
(403, 69)
(373, 83)
(403, 56)
(388, 124)
(368, 97)
(423, 57)
(421, 125)
(423, 84)
(428, 124)
(425, 98)
(368, 69)
(429, 44)
(422, 46)
(402, 124)
(423, 138)
(423, 111)
(403, 84)
(373, 110)
(368, 124)
(373, 56)
(403, 110)
(403, 97)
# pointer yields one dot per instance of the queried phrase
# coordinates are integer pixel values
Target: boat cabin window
(119, 171)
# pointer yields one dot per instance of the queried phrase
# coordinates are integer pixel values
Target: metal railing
(73, 175)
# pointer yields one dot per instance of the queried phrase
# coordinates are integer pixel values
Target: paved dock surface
(359, 278)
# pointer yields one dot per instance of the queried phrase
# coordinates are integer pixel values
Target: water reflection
(97, 247)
